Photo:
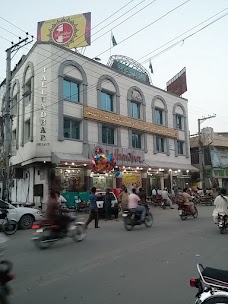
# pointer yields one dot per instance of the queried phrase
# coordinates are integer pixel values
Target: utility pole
(201, 147)
(7, 121)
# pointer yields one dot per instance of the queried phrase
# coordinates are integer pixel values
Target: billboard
(130, 71)
(71, 32)
(178, 84)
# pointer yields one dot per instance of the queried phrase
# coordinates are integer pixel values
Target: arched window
(159, 111)
(14, 109)
(15, 96)
(108, 94)
(180, 123)
(28, 98)
(160, 117)
(136, 103)
(108, 99)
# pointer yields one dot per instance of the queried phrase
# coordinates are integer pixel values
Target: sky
(204, 54)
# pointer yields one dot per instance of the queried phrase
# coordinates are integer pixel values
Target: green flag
(114, 43)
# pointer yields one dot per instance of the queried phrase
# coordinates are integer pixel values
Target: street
(111, 265)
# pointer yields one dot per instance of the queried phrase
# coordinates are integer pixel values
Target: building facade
(215, 157)
(65, 106)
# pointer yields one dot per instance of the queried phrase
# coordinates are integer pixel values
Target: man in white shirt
(221, 205)
(165, 196)
(154, 192)
(159, 192)
(133, 200)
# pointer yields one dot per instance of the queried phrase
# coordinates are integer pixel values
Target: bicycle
(9, 227)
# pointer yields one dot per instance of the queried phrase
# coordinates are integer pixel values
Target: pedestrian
(61, 200)
(93, 214)
(108, 204)
(159, 192)
(123, 198)
(165, 196)
(154, 192)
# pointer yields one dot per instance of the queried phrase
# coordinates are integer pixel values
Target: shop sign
(122, 156)
(125, 69)
(221, 173)
(42, 136)
(120, 120)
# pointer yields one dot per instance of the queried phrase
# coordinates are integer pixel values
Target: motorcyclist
(221, 205)
(54, 213)
(133, 203)
(187, 200)
(165, 196)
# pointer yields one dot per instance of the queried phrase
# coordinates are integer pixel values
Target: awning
(58, 157)
(173, 166)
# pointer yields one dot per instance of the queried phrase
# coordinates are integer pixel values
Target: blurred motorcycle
(6, 274)
(212, 285)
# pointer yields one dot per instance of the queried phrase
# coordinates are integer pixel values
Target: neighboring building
(65, 105)
(215, 149)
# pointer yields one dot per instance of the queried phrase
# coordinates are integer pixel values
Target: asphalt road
(146, 265)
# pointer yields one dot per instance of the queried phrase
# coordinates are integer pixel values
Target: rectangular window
(179, 124)
(70, 90)
(28, 93)
(135, 110)
(160, 144)
(159, 116)
(27, 130)
(71, 129)
(180, 147)
(106, 102)
(136, 140)
(108, 135)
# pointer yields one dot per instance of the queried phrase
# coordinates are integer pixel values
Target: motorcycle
(222, 222)
(6, 275)
(212, 285)
(48, 232)
(132, 218)
(185, 211)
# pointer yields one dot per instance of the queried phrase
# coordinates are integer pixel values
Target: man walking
(93, 215)
(108, 205)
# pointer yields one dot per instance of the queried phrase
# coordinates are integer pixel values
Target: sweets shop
(110, 167)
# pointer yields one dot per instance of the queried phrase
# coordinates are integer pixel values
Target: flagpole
(111, 44)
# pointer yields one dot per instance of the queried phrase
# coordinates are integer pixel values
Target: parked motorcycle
(185, 211)
(132, 218)
(6, 275)
(48, 232)
(222, 222)
(212, 285)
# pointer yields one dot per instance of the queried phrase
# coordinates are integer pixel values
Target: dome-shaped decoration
(129, 67)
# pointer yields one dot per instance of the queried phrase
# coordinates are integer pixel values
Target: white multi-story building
(65, 105)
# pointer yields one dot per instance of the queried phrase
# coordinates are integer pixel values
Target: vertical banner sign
(71, 32)
(42, 139)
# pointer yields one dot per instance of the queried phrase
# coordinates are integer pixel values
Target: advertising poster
(71, 32)
(130, 180)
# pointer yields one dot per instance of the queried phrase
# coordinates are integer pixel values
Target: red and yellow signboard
(71, 32)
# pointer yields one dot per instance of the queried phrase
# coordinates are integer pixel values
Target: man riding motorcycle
(53, 212)
(221, 205)
(133, 200)
(187, 200)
